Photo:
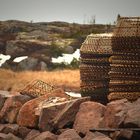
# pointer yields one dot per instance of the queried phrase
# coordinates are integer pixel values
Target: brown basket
(98, 44)
(37, 88)
(120, 95)
(127, 26)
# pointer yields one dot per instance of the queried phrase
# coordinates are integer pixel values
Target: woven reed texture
(37, 88)
(125, 62)
(94, 67)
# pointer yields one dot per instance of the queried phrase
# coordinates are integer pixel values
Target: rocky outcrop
(58, 115)
(29, 109)
(96, 136)
(89, 116)
(18, 38)
(11, 108)
(46, 136)
(3, 96)
(69, 134)
(55, 117)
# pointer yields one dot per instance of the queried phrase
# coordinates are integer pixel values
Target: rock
(46, 136)
(10, 128)
(12, 137)
(69, 50)
(122, 134)
(3, 136)
(1, 127)
(2, 47)
(69, 135)
(17, 48)
(32, 135)
(132, 118)
(89, 116)
(29, 63)
(115, 113)
(89, 136)
(122, 113)
(27, 116)
(11, 108)
(8, 137)
(95, 136)
(42, 66)
(23, 132)
(58, 115)
(3, 96)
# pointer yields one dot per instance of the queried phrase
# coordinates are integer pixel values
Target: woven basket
(127, 27)
(37, 88)
(98, 44)
(125, 62)
(94, 67)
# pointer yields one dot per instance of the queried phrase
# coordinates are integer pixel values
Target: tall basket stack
(125, 62)
(94, 67)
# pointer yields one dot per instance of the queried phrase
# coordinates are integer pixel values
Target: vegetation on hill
(45, 39)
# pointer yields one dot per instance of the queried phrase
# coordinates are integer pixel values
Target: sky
(78, 11)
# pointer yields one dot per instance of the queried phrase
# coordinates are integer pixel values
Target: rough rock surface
(18, 38)
(69, 135)
(10, 128)
(59, 115)
(23, 131)
(89, 116)
(96, 136)
(46, 136)
(28, 109)
(8, 137)
(132, 118)
(32, 135)
(122, 113)
(3, 96)
(11, 108)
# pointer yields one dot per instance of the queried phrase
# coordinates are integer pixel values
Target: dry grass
(15, 81)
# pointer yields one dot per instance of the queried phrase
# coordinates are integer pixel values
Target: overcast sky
(78, 11)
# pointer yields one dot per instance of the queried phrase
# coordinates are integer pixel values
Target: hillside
(43, 40)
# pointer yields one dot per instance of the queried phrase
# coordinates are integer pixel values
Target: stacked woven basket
(94, 67)
(125, 62)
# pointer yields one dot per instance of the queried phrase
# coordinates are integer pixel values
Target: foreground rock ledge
(59, 115)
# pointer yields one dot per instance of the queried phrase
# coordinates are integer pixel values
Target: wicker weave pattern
(125, 67)
(94, 68)
(37, 88)
(128, 26)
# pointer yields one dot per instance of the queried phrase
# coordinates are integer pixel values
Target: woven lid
(127, 27)
(97, 44)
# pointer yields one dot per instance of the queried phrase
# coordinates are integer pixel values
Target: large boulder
(27, 116)
(10, 128)
(115, 113)
(123, 134)
(59, 115)
(69, 134)
(8, 137)
(95, 136)
(23, 131)
(11, 108)
(3, 96)
(46, 136)
(29, 63)
(17, 48)
(132, 118)
(122, 113)
(89, 116)
(32, 135)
